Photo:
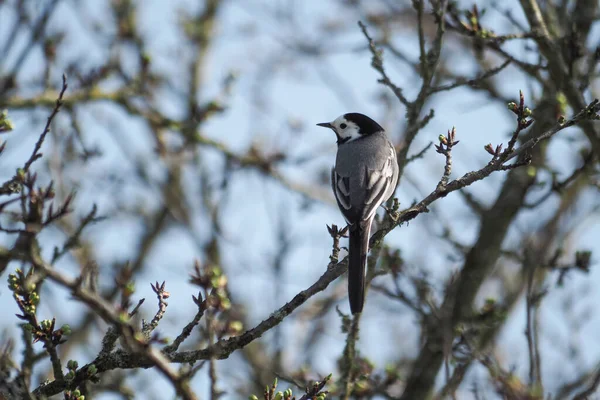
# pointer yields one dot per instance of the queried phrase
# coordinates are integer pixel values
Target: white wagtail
(364, 176)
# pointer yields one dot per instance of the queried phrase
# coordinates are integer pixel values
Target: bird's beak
(326, 125)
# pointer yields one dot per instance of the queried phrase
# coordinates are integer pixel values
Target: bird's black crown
(365, 124)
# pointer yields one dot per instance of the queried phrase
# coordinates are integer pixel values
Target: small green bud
(562, 119)
(279, 395)
(70, 375)
(124, 317)
(214, 281)
(214, 105)
(527, 112)
(92, 370)
(21, 174)
(225, 304)
(390, 369)
(252, 397)
(130, 288)
(236, 327)
(76, 393)
(5, 123)
(140, 337)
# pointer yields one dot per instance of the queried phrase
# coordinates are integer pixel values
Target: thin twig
(531, 343)
(187, 330)
(590, 389)
(377, 63)
(445, 148)
(161, 295)
(471, 82)
(38, 145)
(420, 154)
(588, 113)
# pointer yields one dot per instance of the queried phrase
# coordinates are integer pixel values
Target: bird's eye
(343, 126)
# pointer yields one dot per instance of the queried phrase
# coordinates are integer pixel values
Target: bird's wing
(379, 185)
(341, 190)
(359, 197)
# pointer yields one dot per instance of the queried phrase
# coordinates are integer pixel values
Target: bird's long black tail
(358, 248)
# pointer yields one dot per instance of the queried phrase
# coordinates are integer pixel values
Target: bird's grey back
(354, 158)
(369, 151)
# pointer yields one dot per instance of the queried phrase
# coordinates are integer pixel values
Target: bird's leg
(393, 212)
(336, 234)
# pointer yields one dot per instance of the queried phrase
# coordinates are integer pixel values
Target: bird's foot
(393, 211)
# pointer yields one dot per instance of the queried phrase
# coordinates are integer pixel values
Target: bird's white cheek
(352, 134)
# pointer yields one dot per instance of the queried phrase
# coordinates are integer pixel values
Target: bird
(364, 176)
